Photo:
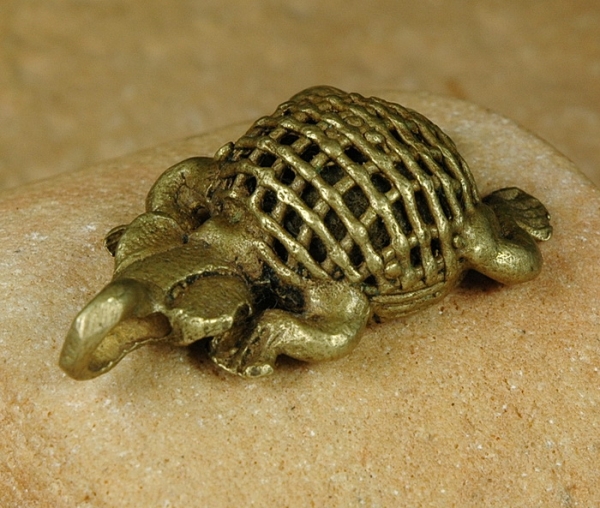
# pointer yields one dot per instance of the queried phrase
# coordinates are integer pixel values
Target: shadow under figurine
(333, 211)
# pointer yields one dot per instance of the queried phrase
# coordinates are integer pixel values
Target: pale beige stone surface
(84, 81)
(489, 398)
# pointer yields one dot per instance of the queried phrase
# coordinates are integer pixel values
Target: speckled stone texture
(489, 398)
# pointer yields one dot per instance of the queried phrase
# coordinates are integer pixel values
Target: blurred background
(86, 80)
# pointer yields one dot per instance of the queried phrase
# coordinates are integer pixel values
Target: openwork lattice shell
(356, 188)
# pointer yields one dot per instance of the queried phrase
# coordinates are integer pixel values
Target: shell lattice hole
(436, 154)
(423, 208)
(310, 195)
(250, 184)
(436, 247)
(418, 135)
(401, 217)
(356, 255)
(441, 195)
(370, 281)
(356, 201)
(317, 249)
(422, 164)
(335, 225)
(280, 250)
(269, 201)
(370, 285)
(292, 222)
(332, 173)
(354, 155)
(397, 136)
(378, 234)
(289, 139)
(266, 160)
(287, 176)
(415, 256)
(403, 170)
(309, 153)
(381, 183)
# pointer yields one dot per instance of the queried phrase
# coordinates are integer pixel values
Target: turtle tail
(514, 205)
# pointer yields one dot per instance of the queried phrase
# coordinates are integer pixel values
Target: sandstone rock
(489, 398)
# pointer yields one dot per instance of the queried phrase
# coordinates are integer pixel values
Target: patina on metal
(334, 211)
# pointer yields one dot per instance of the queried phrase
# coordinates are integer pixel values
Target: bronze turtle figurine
(334, 211)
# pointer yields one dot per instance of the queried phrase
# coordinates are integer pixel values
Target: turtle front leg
(179, 196)
(499, 239)
(330, 327)
(181, 192)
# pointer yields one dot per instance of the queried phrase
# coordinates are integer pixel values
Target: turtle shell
(356, 188)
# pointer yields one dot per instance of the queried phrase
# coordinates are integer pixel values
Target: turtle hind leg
(514, 205)
(495, 244)
(330, 327)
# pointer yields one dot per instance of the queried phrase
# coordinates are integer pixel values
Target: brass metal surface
(334, 211)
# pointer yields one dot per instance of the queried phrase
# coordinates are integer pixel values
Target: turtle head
(168, 286)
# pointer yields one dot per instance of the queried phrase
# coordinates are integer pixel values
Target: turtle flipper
(494, 244)
(499, 239)
(513, 204)
(329, 328)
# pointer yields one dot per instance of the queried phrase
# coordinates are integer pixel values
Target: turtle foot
(528, 212)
